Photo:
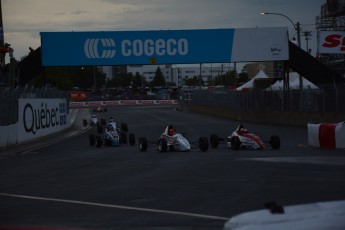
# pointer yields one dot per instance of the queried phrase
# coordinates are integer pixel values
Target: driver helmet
(111, 119)
(110, 128)
(171, 130)
(243, 130)
(93, 116)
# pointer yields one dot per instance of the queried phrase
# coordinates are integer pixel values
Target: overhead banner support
(163, 46)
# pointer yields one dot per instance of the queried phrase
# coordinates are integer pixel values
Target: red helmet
(171, 132)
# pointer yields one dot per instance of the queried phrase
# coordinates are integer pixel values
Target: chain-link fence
(9, 100)
(278, 101)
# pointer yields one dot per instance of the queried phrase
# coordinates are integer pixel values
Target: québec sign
(332, 42)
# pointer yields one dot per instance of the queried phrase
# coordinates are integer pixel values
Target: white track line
(116, 206)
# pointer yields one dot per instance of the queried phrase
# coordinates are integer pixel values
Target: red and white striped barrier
(327, 135)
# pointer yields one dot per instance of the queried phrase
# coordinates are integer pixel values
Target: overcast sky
(23, 20)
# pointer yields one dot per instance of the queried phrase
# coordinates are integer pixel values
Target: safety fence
(261, 100)
(293, 107)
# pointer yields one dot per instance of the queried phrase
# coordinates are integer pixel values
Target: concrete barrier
(37, 117)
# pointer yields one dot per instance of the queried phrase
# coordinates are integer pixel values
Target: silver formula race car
(241, 138)
(112, 135)
(173, 142)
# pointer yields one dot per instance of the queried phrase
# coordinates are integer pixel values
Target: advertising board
(40, 117)
(332, 42)
(163, 46)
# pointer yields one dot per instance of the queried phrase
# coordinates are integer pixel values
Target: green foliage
(65, 78)
(243, 77)
(120, 81)
(159, 79)
(229, 78)
(193, 81)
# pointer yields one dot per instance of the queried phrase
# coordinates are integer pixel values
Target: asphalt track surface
(63, 182)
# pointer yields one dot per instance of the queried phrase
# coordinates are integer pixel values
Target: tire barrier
(327, 135)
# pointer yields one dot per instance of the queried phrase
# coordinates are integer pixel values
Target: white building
(178, 73)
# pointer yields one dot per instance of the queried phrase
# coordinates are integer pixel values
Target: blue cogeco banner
(136, 47)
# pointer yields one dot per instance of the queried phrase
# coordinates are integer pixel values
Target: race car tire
(142, 144)
(107, 142)
(98, 141)
(124, 127)
(105, 110)
(103, 122)
(123, 137)
(214, 140)
(203, 144)
(99, 128)
(275, 142)
(131, 138)
(235, 143)
(84, 122)
(162, 145)
(92, 139)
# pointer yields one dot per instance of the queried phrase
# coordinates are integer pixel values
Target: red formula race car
(242, 139)
(100, 109)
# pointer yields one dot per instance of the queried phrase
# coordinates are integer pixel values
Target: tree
(229, 78)
(193, 81)
(138, 80)
(66, 77)
(159, 79)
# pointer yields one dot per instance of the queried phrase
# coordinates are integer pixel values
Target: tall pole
(1, 27)
(298, 31)
(200, 77)
(2, 55)
(297, 27)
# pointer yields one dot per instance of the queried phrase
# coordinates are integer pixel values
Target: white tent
(249, 84)
(293, 82)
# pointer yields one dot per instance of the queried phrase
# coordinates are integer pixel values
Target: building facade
(177, 74)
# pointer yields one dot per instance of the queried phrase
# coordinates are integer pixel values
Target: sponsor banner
(260, 44)
(332, 42)
(163, 46)
(40, 117)
(75, 104)
(78, 95)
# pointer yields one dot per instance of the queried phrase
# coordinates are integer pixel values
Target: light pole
(296, 26)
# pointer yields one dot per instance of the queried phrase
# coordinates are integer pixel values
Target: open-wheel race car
(111, 135)
(100, 109)
(173, 142)
(94, 121)
(242, 139)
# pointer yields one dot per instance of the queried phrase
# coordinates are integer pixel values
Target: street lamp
(296, 26)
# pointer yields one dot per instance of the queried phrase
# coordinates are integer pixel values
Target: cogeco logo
(159, 47)
(92, 49)
(334, 40)
(136, 47)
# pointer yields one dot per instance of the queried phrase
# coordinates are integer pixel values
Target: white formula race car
(173, 142)
(242, 139)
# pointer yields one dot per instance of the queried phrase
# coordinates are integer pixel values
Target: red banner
(74, 104)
